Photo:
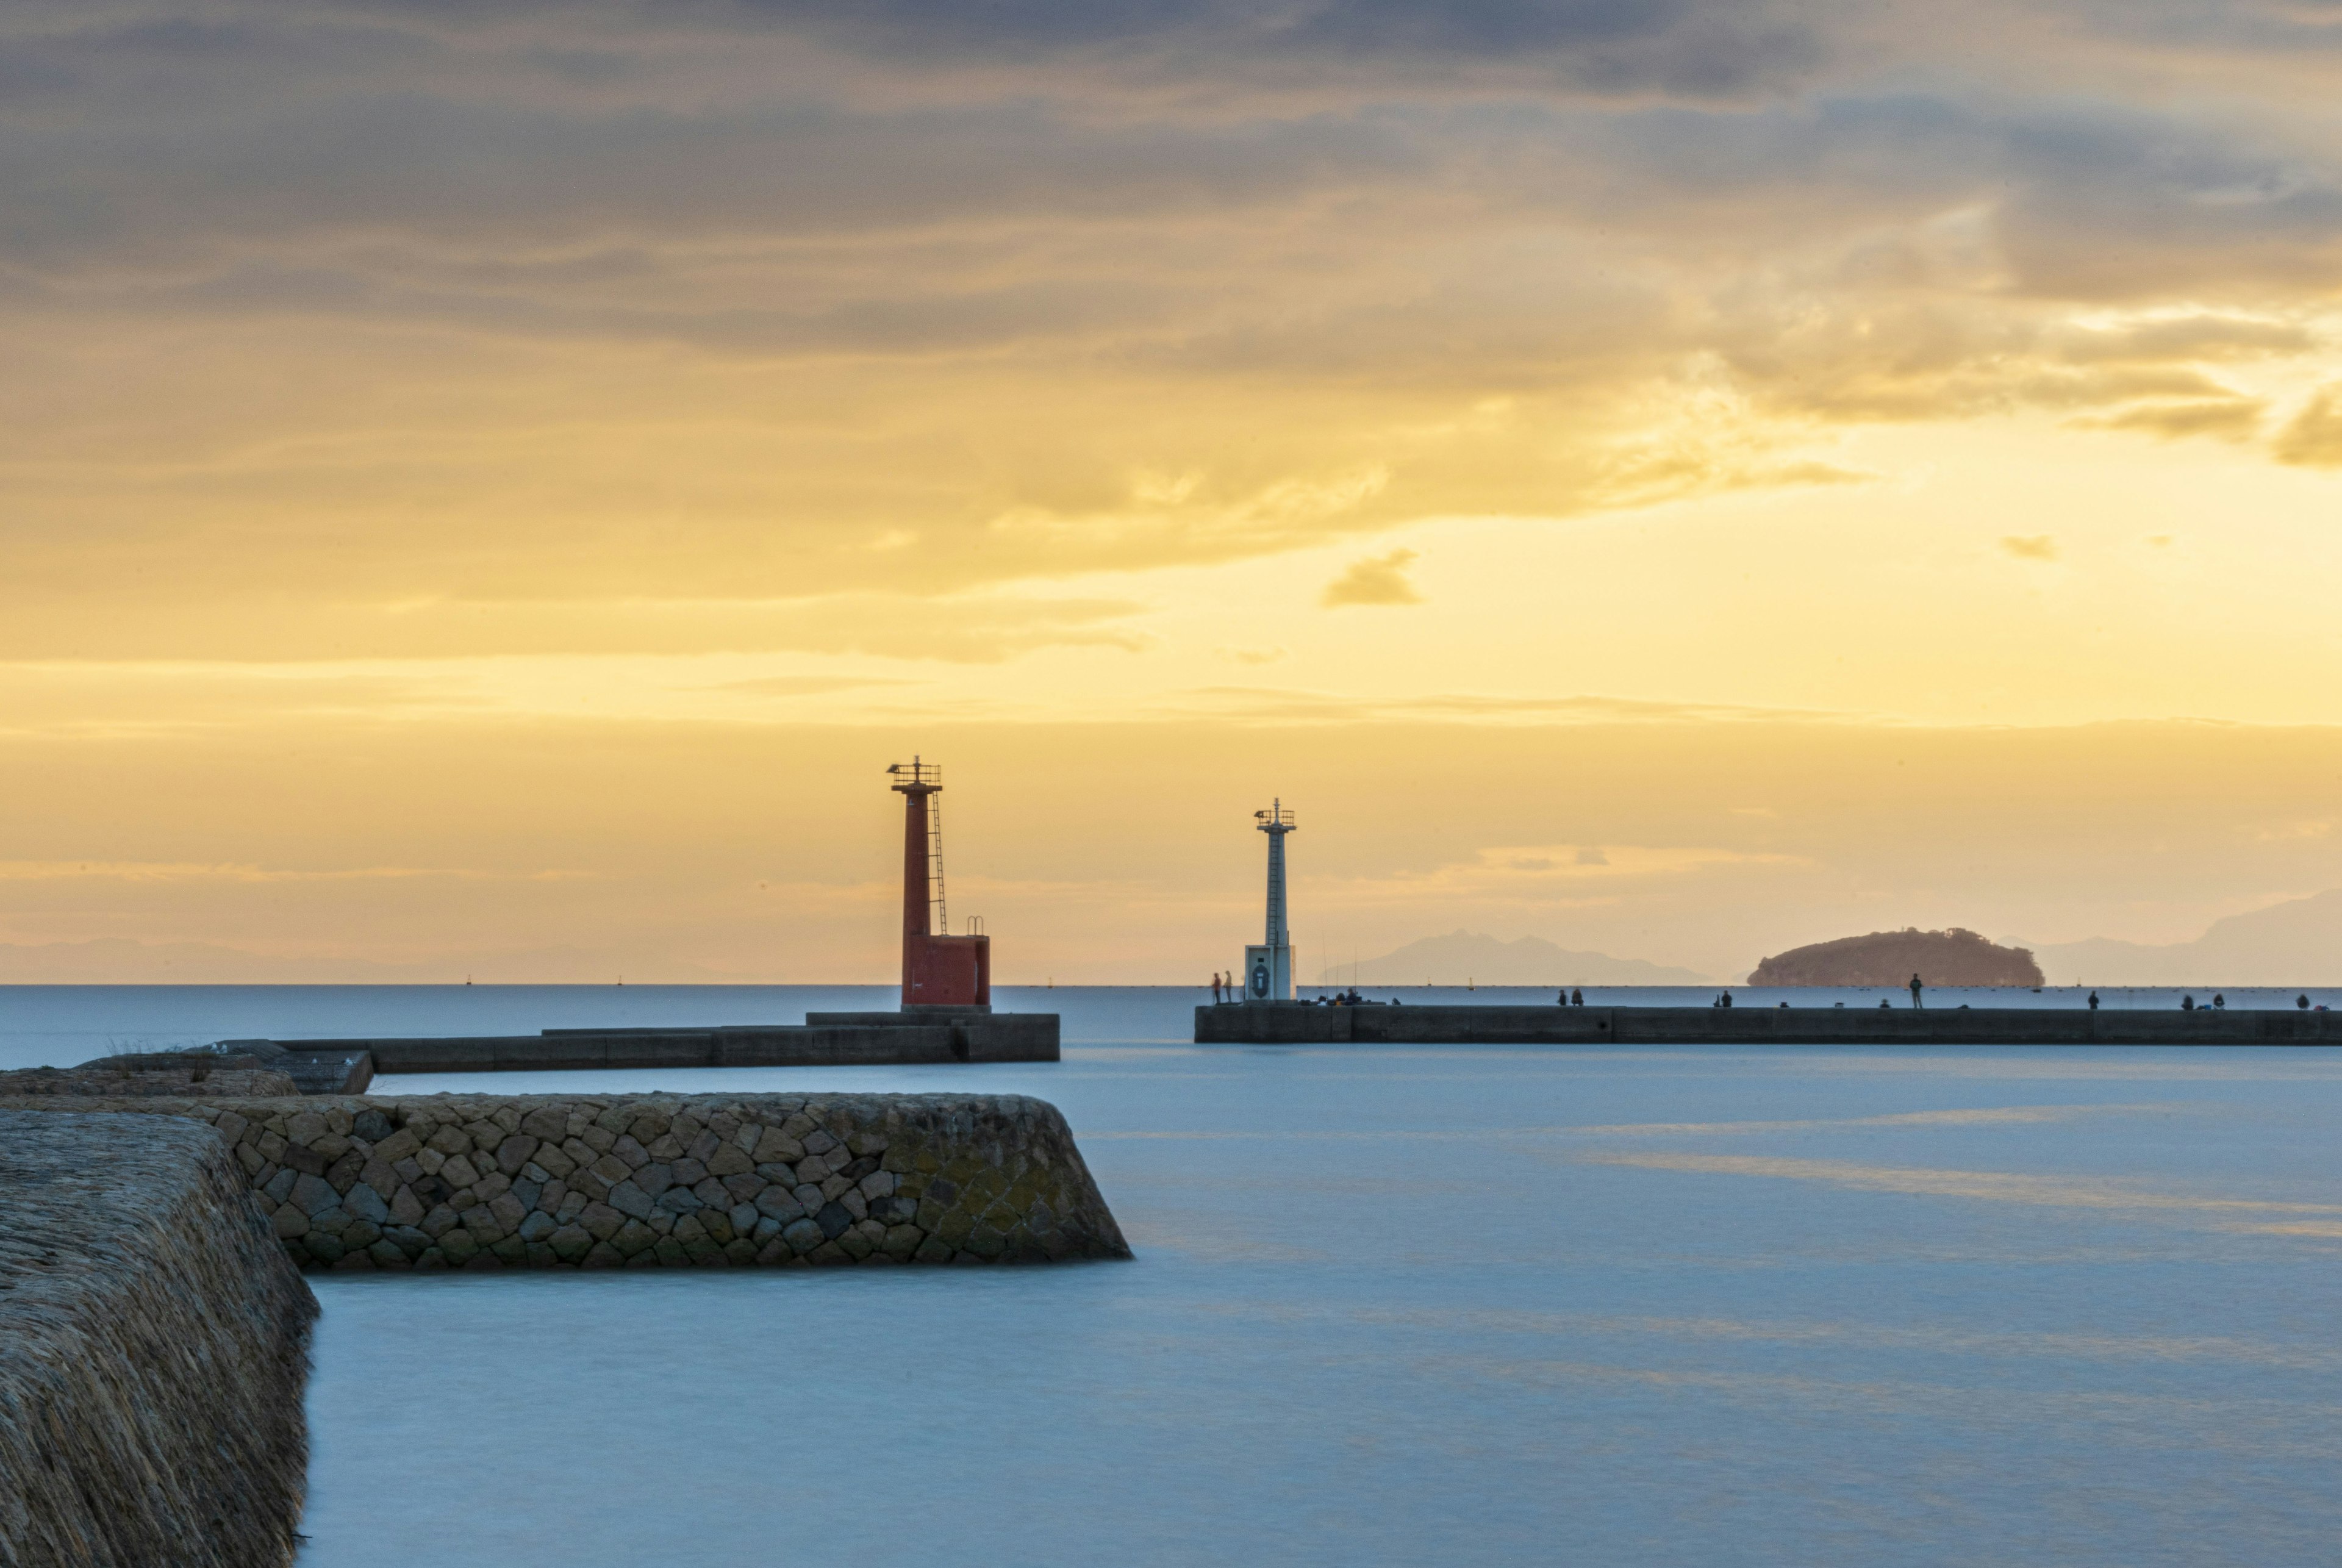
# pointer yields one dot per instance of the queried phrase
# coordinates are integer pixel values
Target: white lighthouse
(1268, 967)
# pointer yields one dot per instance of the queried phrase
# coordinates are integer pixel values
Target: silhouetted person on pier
(2094, 1002)
(2302, 1002)
(2221, 1000)
(1215, 988)
(1562, 1000)
(1578, 998)
(1916, 1000)
(1728, 999)
(2187, 1004)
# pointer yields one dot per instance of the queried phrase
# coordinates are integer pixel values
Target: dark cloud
(1470, 27)
(180, 144)
(2122, 204)
(1696, 47)
(490, 306)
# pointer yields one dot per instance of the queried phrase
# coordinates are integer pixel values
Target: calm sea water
(1398, 1306)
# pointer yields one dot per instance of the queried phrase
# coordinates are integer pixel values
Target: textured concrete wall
(154, 1341)
(825, 1039)
(976, 1037)
(1756, 1024)
(480, 1181)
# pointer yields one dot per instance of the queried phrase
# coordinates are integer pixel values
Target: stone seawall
(484, 1182)
(154, 1341)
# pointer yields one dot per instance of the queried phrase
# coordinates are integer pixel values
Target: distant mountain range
(2296, 942)
(1463, 957)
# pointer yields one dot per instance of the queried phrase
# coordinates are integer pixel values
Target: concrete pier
(823, 1040)
(1303, 1023)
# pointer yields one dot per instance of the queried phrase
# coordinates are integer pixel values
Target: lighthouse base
(947, 972)
(978, 1034)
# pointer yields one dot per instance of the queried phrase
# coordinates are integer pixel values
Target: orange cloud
(1380, 580)
(2314, 437)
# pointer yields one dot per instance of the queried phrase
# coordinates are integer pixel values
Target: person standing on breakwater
(1916, 989)
(2094, 1002)
(1216, 987)
(1578, 998)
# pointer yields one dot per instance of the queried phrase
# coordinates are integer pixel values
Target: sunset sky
(489, 489)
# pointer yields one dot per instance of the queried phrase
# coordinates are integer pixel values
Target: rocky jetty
(322, 1068)
(94, 1082)
(1889, 958)
(154, 1341)
(486, 1182)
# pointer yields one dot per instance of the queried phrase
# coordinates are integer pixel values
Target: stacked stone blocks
(154, 1340)
(476, 1181)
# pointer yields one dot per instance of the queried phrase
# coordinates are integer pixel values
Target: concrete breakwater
(823, 1040)
(483, 1182)
(154, 1341)
(1296, 1022)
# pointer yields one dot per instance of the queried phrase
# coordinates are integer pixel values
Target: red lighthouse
(939, 970)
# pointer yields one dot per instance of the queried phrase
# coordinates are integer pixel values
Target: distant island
(1463, 956)
(1953, 957)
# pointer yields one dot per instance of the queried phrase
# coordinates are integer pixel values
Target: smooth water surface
(1428, 1305)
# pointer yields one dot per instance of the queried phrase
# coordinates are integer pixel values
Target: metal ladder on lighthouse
(935, 864)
